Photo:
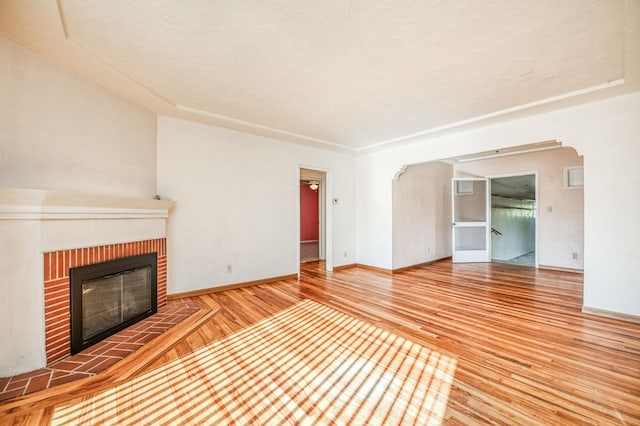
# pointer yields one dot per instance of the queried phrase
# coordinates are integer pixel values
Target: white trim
(611, 314)
(29, 204)
(537, 220)
(328, 220)
(70, 215)
(508, 154)
(322, 208)
(496, 114)
(251, 125)
(31, 212)
(298, 237)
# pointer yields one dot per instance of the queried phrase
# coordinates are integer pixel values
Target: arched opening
(539, 217)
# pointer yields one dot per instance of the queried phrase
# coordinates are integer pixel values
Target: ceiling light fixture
(313, 184)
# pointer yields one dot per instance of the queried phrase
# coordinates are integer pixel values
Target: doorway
(310, 220)
(513, 219)
(314, 193)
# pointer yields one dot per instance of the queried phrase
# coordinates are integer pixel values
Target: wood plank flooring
(525, 353)
(308, 364)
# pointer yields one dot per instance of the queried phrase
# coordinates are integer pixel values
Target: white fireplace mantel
(35, 204)
(34, 222)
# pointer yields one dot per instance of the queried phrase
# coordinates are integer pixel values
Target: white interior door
(470, 220)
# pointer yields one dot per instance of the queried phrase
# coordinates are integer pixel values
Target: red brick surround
(57, 301)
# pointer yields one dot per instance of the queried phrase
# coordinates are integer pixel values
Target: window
(574, 177)
(464, 187)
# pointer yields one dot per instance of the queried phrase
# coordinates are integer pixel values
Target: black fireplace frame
(81, 274)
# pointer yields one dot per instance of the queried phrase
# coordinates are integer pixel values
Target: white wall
(60, 132)
(374, 225)
(606, 132)
(612, 203)
(422, 214)
(561, 230)
(21, 298)
(237, 204)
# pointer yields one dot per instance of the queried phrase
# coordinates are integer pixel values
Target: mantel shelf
(35, 204)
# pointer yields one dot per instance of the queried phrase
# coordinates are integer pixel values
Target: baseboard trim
(218, 289)
(375, 268)
(418, 265)
(561, 269)
(391, 271)
(347, 266)
(610, 314)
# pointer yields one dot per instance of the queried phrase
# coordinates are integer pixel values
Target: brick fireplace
(57, 302)
(44, 234)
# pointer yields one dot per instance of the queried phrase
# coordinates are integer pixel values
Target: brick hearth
(97, 358)
(56, 286)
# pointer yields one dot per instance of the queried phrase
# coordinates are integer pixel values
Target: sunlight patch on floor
(307, 364)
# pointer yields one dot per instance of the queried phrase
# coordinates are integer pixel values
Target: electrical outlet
(574, 255)
(345, 254)
(229, 269)
(428, 250)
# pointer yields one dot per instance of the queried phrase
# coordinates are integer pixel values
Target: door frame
(322, 235)
(320, 194)
(537, 209)
(325, 205)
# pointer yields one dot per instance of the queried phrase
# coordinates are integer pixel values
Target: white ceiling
(349, 74)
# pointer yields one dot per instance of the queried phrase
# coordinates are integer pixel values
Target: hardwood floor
(525, 353)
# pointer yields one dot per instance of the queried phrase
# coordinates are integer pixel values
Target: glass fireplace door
(113, 300)
(109, 296)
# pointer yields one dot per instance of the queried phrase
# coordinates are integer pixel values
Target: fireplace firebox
(109, 296)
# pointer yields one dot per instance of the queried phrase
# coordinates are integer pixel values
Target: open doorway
(309, 220)
(312, 215)
(513, 219)
(551, 203)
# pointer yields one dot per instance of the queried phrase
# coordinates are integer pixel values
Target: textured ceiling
(352, 74)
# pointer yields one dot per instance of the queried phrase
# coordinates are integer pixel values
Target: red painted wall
(308, 213)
